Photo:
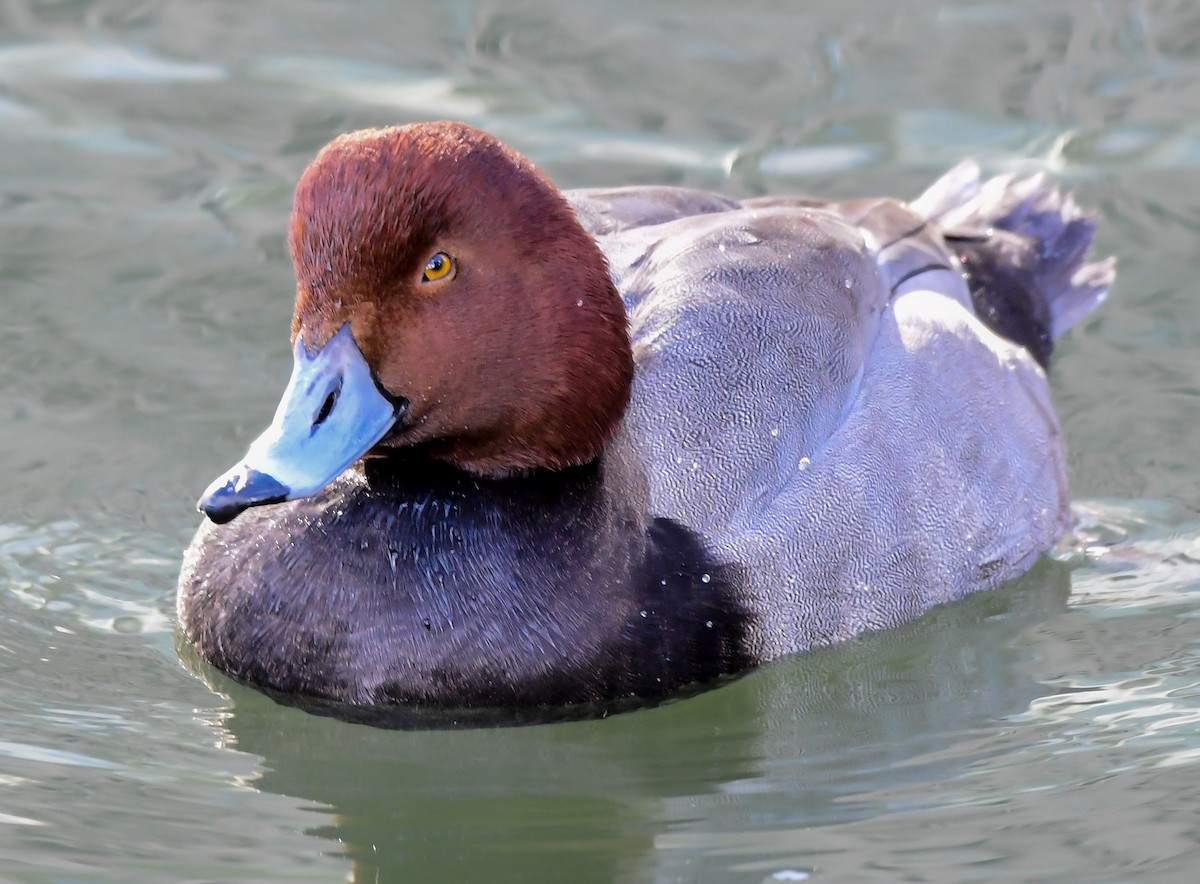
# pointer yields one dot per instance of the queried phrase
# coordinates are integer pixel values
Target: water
(147, 154)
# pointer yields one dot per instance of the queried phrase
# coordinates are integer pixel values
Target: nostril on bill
(326, 406)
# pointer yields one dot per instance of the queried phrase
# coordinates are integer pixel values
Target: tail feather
(1024, 247)
(949, 193)
(1089, 287)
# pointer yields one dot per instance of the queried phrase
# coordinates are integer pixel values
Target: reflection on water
(798, 742)
(147, 155)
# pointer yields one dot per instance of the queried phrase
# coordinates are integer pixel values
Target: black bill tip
(241, 492)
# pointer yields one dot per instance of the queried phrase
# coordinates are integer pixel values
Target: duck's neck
(560, 395)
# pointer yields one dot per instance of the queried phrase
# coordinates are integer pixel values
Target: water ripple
(98, 62)
(102, 578)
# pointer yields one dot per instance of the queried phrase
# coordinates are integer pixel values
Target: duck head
(447, 298)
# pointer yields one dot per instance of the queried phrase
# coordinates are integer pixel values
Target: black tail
(1023, 246)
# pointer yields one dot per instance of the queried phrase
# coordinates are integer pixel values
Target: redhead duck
(544, 448)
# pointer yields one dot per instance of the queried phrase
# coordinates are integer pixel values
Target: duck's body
(820, 437)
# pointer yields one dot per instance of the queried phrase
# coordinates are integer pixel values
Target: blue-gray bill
(332, 413)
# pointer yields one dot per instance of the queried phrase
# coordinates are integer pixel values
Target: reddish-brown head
(471, 290)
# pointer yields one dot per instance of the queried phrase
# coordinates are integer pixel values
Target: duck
(546, 449)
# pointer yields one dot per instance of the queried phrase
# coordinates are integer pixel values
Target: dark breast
(407, 582)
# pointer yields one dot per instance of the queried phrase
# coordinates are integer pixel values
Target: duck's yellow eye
(440, 266)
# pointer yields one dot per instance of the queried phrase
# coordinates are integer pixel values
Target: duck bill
(333, 411)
